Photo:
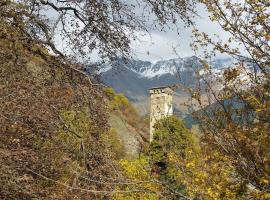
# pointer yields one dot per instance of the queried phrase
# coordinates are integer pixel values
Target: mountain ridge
(134, 77)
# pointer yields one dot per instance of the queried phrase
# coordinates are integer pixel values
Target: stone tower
(160, 105)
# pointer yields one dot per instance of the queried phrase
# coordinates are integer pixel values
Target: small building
(160, 105)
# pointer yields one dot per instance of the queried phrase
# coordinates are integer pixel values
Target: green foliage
(74, 131)
(177, 168)
(119, 103)
(170, 132)
(161, 169)
(171, 137)
(138, 178)
(116, 101)
(110, 93)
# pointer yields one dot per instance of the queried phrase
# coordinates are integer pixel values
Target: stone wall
(160, 105)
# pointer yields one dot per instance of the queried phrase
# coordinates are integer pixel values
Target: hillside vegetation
(131, 129)
(66, 136)
(49, 133)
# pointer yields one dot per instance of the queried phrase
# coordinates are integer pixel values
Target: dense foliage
(48, 126)
(55, 139)
(238, 125)
(53, 126)
(177, 167)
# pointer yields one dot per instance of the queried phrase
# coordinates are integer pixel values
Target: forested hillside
(65, 135)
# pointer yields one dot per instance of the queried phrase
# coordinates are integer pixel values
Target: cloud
(169, 44)
(161, 45)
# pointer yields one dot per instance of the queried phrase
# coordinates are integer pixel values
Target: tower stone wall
(160, 105)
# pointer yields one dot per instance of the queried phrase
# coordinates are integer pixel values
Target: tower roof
(162, 89)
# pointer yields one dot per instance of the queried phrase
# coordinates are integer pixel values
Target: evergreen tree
(171, 138)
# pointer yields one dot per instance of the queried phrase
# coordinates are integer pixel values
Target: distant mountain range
(135, 77)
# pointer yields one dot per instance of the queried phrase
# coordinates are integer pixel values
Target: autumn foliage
(56, 142)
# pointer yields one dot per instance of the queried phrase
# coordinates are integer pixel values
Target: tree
(177, 167)
(52, 114)
(235, 119)
(47, 129)
(106, 27)
(155, 173)
(171, 139)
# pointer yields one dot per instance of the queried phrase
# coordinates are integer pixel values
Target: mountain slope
(135, 77)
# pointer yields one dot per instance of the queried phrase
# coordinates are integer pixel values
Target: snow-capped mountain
(134, 78)
(153, 70)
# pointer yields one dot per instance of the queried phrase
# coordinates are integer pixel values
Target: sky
(167, 45)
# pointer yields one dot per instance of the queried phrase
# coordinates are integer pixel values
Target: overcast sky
(160, 46)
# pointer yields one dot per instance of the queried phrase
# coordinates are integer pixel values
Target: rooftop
(161, 87)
